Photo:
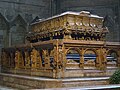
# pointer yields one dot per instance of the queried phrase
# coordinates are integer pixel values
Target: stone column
(98, 58)
(103, 56)
(38, 61)
(21, 61)
(118, 62)
(57, 61)
(47, 59)
(12, 54)
(82, 59)
(27, 59)
(33, 59)
(17, 59)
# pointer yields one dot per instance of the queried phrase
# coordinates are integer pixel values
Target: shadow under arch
(73, 56)
(42, 57)
(112, 58)
(90, 58)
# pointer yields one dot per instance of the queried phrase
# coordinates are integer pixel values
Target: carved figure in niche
(12, 63)
(51, 57)
(8, 59)
(103, 56)
(47, 58)
(21, 60)
(60, 58)
(27, 59)
(33, 58)
(4, 58)
(39, 60)
(17, 59)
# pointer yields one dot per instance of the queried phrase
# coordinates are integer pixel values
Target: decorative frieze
(69, 25)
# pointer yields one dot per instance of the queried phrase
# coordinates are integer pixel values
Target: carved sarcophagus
(67, 45)
(72, 25)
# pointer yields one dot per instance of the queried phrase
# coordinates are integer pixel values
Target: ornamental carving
(68, 45)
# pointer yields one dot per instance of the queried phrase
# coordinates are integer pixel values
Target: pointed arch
(18, 29)
(76, 49)
(73, 55)
(112, 57)
(4, 30)
(19, 20)
(90, 58)
(4, 25)
(20, 23)
(94, 50)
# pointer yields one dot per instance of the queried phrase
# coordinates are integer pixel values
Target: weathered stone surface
(24, 82)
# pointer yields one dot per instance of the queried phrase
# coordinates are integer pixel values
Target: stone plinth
(30, 82)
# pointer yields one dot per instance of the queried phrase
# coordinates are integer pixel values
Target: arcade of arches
(56, 57)
(90, 57)
(60, 45)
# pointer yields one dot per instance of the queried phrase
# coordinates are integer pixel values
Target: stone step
(98, 87)
(71, 73)
(77, 82)
(28, 82)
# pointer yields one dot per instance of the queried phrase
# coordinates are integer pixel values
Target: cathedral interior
(17, 15)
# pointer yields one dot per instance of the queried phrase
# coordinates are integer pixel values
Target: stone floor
(5, 88)
(100, 87)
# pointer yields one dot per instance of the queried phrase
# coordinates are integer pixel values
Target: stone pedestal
(30, 82)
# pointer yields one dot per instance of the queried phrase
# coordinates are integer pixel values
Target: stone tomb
(66, 50)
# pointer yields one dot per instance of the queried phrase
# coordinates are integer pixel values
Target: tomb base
(30, 82)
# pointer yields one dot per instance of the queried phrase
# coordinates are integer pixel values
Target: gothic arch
(73, 55)
(110, 51)
(4, 25)
(90, 57)
(19, 22)
(18, 29)
(94, 50)
(112, 57)
(76, 49)
(4, 29)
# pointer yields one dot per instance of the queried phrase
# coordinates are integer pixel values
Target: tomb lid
(82, 13)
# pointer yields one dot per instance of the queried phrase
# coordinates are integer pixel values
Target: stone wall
(16, 16)
(29, 9)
